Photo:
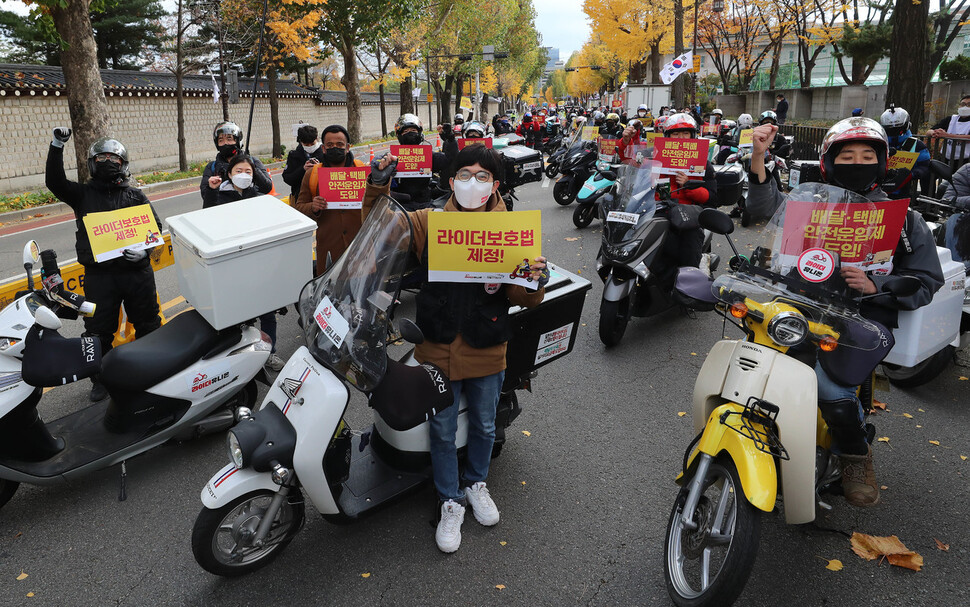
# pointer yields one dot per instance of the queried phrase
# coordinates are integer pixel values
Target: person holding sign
(854, 156)
(466, 328)
(336, 227)
(128, 279)
(911, 160)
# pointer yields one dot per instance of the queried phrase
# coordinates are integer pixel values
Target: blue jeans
(482, 394)
(951, 239)
(267, 324)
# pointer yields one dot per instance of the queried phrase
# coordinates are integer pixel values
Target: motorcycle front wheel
(614, 316)
(222, 538)
(920, 373)
(562, 192)
(584, 214)
(709, 565)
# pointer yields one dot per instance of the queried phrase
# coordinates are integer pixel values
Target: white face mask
(242, 180)
(472, 194)
(963, 111)
(312, 148)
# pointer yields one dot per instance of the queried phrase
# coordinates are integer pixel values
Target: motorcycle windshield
(633, 202)
(345, 311)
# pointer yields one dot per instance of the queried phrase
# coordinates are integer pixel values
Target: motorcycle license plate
(620, 216)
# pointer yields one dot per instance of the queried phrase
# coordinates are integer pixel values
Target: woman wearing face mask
(466, 328)
(308, 153)
(336, 227)
(853, 156)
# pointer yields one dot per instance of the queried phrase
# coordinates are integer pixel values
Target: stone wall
(147, 126)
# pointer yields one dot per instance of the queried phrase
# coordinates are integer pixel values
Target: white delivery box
(927, 330)
(240, 260)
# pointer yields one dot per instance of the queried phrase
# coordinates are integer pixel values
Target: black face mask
(108, 172)
(335, 156)
(410, 138)
(227, 150)
(855, 177)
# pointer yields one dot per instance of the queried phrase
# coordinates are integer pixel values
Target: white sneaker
(448, 535)
(481, 503)
(275, 363)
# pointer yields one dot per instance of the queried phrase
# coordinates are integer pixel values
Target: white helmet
(745, 121)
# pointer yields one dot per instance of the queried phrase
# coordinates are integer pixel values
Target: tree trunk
(907, 56)
(274, 108)
(407, 96)
(352, 86)
(677, 98)
(85, 89)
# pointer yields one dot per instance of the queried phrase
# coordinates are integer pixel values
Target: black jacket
(92, 197)
(294, 171)
(220, 168)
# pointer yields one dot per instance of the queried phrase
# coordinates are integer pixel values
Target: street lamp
(717, 6)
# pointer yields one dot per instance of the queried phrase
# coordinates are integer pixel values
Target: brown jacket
(458, 360)
(335, 228)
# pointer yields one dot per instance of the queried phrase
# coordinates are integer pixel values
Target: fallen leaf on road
(22, 576)
(527, 433)
(878, 404)
(365, 575)
(935, 442)
(500, 586)
(834, 565)
(681, 413)
(572, 238)
(872, 547)
(907, 415)
(942, 546)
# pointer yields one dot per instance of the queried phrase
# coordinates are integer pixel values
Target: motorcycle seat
(157, 356)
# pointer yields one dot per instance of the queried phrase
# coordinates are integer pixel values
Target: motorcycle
(578, 164)
(755, 405)
(183, 380)
(636, 276)
(298, 442)
(596, 186)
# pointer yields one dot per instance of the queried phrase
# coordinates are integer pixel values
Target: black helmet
(228, 128)
(106, 145)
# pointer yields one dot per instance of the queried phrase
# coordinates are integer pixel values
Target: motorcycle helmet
(768, 116)
(412, 124)
(228, 128)
(853, 130)
(643, 108)
(106, 145)
(895, 120)
(473, 129)
(680, 122)
(745, 121)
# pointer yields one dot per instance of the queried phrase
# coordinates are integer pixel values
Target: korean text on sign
(483, 247)
(343, 187)
(681, 155)
(111, 232)
(412, 160)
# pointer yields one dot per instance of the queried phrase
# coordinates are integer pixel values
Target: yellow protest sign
(111, 232)
(484, 247)
(745, 139)
(591, 133)
(903, 160)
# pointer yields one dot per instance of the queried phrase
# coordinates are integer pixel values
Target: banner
(412, 160)
(342, 187)
(681, 155)
(861, 237)
(902, 160)
(590, 133)
(466, 141)
(676, 67)
(111, 232)
(490, 248)
(745, 138)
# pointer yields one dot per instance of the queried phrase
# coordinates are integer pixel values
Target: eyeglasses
(105, 157)
(480, 176)
(331, 145)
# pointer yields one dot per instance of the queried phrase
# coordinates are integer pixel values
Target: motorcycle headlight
(788, 329)
(235, 450)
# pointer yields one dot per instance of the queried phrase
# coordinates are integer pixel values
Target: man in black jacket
(128, 279)
(301, 159)
(228, 137)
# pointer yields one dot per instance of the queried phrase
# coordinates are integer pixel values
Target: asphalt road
(585, 497)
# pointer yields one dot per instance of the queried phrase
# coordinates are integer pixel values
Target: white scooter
(183, 380)
(298, 439)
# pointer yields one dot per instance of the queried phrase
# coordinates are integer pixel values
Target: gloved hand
(381, 176)
(61, 135)
(134, 256)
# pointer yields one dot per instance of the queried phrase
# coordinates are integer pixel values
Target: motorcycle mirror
(716, 221)
(410, 332)
(47, 319)
(31, 253)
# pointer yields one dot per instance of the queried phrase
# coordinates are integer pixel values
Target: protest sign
(111, 232)
(681, 155)
(488, 248)
(342, 187)
(412, 160)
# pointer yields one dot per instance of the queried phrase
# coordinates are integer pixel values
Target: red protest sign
(466, 141)
(681, 155)
(342, 187)
(862, 235)
(412, 160)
